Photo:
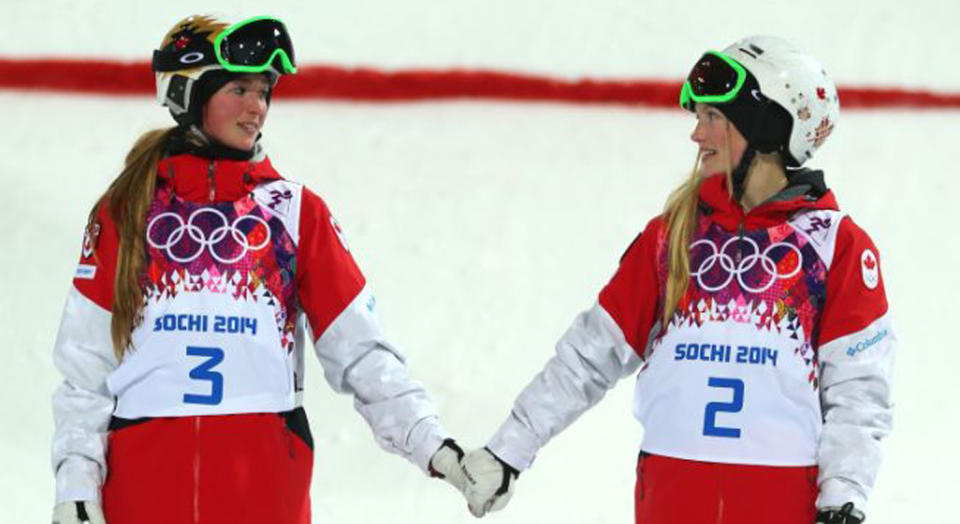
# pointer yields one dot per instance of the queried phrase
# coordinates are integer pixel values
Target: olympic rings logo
(720, 258)
(217, 236)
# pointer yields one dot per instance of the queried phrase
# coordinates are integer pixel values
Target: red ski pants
(677, 491)
(213, 469)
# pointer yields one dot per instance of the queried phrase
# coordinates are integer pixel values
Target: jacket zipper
(740, 242)
(640, 485)
(196, 470)
(210, 170)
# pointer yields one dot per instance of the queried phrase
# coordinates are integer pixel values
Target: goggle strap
(168, 62)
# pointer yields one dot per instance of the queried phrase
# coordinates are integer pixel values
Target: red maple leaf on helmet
(821, 132)
(181, 42)
(821, 93)
(870, 262)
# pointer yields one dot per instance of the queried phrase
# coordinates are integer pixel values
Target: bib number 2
(710, 427)
(204, 372)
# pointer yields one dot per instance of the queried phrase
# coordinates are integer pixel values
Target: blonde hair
(680, 218)
(128, 199)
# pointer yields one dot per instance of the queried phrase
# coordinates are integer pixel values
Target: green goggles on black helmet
(255, 45)
(714, 79)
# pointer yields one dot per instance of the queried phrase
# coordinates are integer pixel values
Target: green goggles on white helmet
(768, 68)
(714, 79)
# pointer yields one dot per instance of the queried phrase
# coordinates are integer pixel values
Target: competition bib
(204, 353)
(703, 396)
(219, 321)
(734, 375)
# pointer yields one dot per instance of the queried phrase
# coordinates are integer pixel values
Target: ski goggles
(253, 45)
(714, 79)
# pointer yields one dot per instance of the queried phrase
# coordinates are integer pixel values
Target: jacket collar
(202, 179)
(805, 190)
(194, 141)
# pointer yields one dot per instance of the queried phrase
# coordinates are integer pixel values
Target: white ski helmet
(797, 83)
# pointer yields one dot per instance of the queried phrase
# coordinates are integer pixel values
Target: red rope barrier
(370, 85)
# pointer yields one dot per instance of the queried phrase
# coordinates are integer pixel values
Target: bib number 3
(205, 372)
(710, 427)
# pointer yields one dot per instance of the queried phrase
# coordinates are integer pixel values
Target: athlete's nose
(698, 134)
(254, 104)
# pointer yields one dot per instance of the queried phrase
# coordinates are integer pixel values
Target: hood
(806, 189)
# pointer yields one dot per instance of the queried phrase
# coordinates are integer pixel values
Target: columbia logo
(864, 345)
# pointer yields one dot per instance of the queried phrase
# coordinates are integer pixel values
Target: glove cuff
(506, 467)
(847, 514)
(450, 444)
(510, 473)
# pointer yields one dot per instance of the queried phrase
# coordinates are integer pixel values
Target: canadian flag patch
(339, 232)
(870, 269)
(90, 236)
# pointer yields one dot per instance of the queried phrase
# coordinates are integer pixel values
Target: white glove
(445, 464)
(79, 512)
(489, 482)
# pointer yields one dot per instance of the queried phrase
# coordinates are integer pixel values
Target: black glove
(845, 515)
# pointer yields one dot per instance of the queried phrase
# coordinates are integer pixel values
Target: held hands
(489, 482)
(79, 512)
(445, 464)
(845, 515)
(485, 480)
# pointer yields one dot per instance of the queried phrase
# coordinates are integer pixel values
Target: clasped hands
(485, 480)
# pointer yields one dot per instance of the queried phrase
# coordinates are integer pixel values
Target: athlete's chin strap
(739, 174)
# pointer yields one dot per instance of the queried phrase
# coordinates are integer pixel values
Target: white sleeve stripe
(347, 339)
(83, 351)
(357, 360)
(855, 382)
(82, 406)
(878, 337)
(590, 358)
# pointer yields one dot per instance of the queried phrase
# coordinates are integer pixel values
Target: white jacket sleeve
(590, 358)
(357, 360)
(856, 351)
(82, 406)
(855, 381)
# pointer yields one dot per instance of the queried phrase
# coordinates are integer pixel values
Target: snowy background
(484, 227)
